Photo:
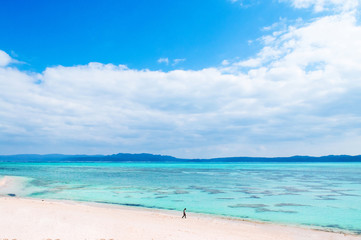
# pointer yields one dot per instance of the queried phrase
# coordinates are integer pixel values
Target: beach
(35, 219)
(323, 195)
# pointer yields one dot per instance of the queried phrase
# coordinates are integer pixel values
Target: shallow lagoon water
(325, 195)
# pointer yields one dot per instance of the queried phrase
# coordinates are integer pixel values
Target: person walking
(184, 213)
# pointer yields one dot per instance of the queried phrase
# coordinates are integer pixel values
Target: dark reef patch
(326, 197)
(205, 189)
(180, 192)
(271, 210)
(294, 190)
(161, 196)
(290, 205)
(241, 205)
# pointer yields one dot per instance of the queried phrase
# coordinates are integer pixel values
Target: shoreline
(204, 215)
(67, 219)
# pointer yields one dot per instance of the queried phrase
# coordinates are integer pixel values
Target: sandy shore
(33, 219)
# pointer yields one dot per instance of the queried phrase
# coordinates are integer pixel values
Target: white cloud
(326, 5)
(167, 61)
(252, 62)
(163, 60)
(299, 95)
(5, 59)
(178, 60)
(225, 62)
(246, 3)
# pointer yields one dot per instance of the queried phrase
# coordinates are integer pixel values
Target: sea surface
(320, 195)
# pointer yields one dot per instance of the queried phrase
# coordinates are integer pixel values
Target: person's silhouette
(184, 213)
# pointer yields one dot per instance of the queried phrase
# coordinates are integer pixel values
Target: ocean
(319, 195)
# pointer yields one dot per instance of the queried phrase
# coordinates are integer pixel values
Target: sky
(192, 79)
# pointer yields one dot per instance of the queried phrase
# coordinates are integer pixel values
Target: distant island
(145, 157)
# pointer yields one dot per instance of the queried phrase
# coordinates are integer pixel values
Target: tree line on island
(145, 157)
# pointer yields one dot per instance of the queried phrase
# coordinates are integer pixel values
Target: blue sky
(183, 78)
(136, 33)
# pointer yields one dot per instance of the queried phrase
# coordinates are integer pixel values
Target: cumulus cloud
(178, 60)
(5, 59)
(299, 95)
(326, 5)
(225, 62)
(174, 61)
(163, 60)
(246, 3)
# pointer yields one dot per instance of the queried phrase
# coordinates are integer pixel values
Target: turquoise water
(322, 195)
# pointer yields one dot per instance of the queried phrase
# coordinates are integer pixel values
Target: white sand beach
(36, 219)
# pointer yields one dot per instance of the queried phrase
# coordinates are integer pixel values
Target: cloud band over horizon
(299, 95)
